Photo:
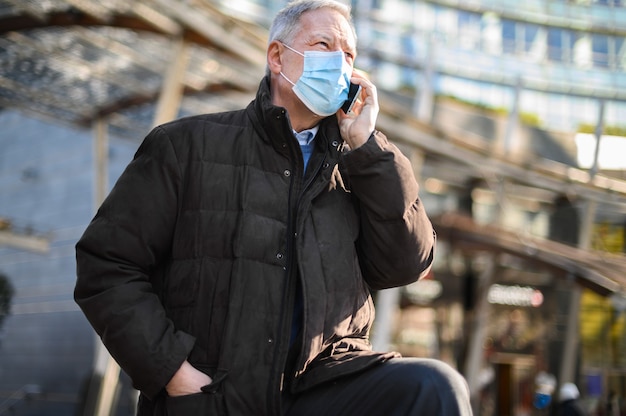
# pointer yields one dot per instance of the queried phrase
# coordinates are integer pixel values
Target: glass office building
(565, 56)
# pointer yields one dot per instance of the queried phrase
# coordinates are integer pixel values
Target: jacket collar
(272, 122)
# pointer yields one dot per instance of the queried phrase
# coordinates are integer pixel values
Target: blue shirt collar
(305, 137)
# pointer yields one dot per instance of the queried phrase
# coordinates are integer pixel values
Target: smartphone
(353, 95)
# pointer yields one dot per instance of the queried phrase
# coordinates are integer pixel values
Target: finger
(369, 95)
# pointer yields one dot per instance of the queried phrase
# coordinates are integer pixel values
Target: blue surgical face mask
(324, 83)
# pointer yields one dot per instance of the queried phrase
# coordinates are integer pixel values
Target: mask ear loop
(288, 80)
(293, 50)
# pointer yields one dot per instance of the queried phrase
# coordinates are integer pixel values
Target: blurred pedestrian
(568, 401)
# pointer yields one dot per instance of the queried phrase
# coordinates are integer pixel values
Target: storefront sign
(424, 291)
(515, 295)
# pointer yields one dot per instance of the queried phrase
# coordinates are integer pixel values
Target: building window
(600, 50)
(555, 44)
(509, 39)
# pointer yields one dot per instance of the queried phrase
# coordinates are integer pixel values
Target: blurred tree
(6, 293)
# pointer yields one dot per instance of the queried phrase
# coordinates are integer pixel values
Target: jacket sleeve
(124, 243)
(397, 241)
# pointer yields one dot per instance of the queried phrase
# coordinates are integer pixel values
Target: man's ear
(274, 57)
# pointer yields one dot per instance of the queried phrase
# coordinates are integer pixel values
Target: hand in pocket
(187, 380)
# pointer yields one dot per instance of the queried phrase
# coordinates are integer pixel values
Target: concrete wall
(46, 182)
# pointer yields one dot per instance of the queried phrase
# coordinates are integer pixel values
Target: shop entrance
(514, 384)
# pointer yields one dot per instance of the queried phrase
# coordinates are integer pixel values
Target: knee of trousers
(436, 377)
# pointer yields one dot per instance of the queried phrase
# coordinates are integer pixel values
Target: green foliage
(608, 130)
(6, 294)
(529, 119)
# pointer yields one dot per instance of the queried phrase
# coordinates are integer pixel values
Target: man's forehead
(333, 30)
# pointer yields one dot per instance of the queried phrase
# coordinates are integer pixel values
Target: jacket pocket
(200, 404)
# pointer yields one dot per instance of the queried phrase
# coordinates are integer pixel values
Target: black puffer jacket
(196, 252)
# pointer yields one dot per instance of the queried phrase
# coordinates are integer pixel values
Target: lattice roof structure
(75, 61)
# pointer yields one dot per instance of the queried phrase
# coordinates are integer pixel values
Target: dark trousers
(398, 387)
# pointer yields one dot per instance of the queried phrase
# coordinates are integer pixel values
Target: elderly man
(229, 271)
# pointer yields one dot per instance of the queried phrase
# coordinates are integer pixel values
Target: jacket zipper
(294, 243)
(289, 291)
(284, 329)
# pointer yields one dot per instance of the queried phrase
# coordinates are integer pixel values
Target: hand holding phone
(357, 125)
(353, 94)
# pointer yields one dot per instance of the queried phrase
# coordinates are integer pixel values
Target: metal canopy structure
(599, 271)
(80, 62)
(76, 61)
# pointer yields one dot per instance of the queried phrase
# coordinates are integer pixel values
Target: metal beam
(105, 377)
(206, 26)
(475, 354)
(604, 273)
(542, 174)
(95, 10)
(154, 17)
(253, 33)
(35, 244)
(172, 89)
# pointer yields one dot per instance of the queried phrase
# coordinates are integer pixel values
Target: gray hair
(286, 21)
